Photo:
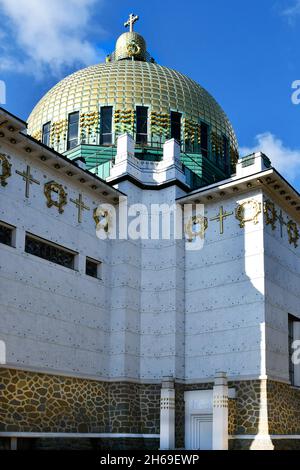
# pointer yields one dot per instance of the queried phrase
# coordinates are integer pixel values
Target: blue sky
(246, 54)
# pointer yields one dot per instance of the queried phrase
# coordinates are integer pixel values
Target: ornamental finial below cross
(131, 21)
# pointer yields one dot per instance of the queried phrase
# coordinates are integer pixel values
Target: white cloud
(284, 159)
(49, 35)
(293, 11)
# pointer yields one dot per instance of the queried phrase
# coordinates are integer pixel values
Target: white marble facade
(159, 309)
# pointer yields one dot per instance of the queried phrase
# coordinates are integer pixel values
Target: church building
(112, 341)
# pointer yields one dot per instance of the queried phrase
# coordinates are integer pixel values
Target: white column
(171, 151)
(167, 414)
(220, 412)
(125, 147)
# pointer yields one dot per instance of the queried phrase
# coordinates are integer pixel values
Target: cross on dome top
(132, 19)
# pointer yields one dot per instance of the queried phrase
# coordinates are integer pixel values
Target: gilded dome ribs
(131, 79)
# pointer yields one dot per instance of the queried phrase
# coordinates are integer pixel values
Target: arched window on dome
(73, 130)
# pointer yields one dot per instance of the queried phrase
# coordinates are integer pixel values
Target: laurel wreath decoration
(293, 233)
(196, 220)
(133, 49)
(5, 169)
(240, 212)
(53, 187)
(270, 213)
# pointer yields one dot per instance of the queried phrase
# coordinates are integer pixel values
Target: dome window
(141, 125)
(176, 126)
(73, 129)
(106, 125)
(46, 134)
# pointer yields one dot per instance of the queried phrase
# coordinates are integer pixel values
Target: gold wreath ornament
(270, 213)
(53, 187)
(5, 169)
(240, 212)
(133, 49)
(293, 233)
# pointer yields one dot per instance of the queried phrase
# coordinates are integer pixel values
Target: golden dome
(125, 84)
(128, 80)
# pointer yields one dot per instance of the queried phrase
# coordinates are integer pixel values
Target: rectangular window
(93, 268)
(49, 251)
(73, 129)
(204, 139)
(46, 134)
(176, 126)
(141, 125)
(6, 234)
(106, 125)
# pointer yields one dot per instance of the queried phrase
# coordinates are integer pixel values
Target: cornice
(11, 133)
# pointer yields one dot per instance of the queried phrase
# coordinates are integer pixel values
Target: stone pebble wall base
(247, 404)
(34, 402)
(283, 408)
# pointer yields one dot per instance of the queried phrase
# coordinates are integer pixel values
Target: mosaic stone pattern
(134, 408)
(247, 406)
(232, 416)
(283, 408)
(32, 402)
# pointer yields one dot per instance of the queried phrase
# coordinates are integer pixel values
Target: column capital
(168, 382)
(221, 379)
